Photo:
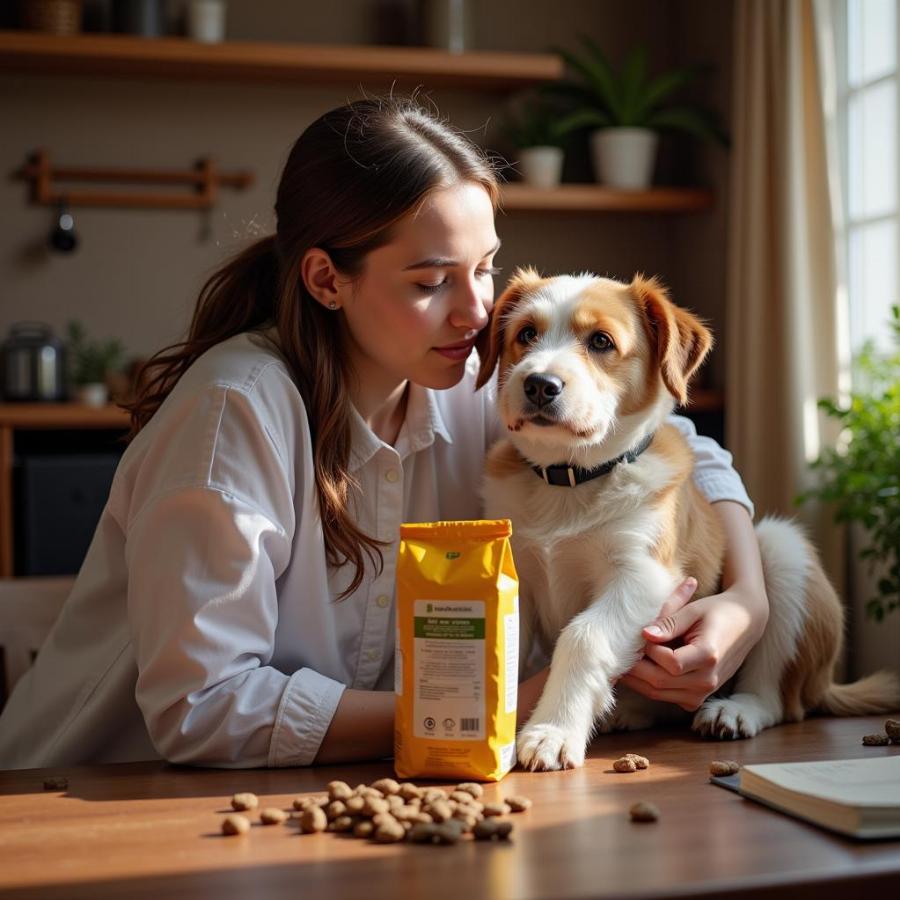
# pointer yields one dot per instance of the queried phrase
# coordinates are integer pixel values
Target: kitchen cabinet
(17, 421)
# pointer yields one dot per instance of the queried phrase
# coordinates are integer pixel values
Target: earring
(332, 305)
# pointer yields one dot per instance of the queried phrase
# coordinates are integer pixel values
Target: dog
(607, 520)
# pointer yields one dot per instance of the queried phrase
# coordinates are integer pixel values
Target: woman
(235, 606)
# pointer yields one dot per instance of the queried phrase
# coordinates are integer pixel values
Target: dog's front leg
(596, 647)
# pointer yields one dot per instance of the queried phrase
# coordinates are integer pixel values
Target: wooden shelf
(179, 58)
(596, 198)
(62, 415)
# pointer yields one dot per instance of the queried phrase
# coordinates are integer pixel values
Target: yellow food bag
(457, 656)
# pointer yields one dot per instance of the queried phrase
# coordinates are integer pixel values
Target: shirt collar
(424, 420)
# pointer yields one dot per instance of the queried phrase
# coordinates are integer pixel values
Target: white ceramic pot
(206, 21)
(624, 157)
(93, 394)
(541, 166)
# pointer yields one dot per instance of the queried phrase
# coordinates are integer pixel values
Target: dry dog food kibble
(495, 809)
(642, 811)
(723, 767)
(389, 832)
(342, 824)
(56, 784)
(624, 764)
(386, 786)
(471, 787)
(891, 726)
(640, 761)
(339, 790)
(517, 804)
(272, 816)
(234, 824)
(245, 801)
(875, 740)
(493, 830)
(313, 819)
(444, 833)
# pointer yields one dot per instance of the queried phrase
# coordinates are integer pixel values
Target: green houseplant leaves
(601, 97)
(861, 476)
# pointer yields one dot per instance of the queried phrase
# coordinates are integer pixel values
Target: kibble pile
(387, 812)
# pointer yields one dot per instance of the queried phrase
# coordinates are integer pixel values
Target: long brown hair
(350, 176)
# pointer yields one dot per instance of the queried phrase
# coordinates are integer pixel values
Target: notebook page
(856, 782)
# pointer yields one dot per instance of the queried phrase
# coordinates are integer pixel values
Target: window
(867, 119)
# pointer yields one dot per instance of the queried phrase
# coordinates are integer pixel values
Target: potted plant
(91, 362)
(537, 132)
(626, 110)
(861, 476)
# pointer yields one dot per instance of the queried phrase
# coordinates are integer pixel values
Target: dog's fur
(597, 561)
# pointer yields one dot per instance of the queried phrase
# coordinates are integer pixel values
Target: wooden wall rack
(204, 178)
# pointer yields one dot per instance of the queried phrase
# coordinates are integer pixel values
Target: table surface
(150, 830)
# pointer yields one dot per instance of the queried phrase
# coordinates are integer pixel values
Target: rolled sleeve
(713, 470)
(307, 707)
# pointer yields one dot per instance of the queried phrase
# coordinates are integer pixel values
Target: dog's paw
(544, 747)
(727, 719)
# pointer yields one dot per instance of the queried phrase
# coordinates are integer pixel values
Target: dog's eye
(526, 335)
(600, 341)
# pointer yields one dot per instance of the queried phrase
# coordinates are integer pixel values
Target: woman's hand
(692, 649)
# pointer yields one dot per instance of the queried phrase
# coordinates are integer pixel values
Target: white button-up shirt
(203, 626)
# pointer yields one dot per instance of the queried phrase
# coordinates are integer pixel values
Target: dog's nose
(543, 389)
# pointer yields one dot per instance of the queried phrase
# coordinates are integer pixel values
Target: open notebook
(858, 797)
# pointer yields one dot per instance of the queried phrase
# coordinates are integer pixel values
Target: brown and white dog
(590, 369)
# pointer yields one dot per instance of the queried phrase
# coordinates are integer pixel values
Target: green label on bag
(449, 629)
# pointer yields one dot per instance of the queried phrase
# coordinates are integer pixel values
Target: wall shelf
(179, 58)
(596, 198)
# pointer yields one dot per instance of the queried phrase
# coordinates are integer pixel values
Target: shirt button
(391, 475)
(372, 655)
(382, 600)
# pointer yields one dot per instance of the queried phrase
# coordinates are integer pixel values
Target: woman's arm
(362, 728)
(363, 725)
(718, 631)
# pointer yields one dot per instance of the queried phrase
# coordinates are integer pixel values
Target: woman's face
(420, 300)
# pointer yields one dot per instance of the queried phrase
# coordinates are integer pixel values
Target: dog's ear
(489, 342)
(681, 340)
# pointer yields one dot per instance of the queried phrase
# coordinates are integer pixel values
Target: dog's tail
(874, 694)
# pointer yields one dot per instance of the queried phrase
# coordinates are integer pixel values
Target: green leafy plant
(861, 476)
(91, 360)
(536, 122)
(630, 98)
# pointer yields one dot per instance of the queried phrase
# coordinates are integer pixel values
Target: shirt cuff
(307, 707)
(718, 486)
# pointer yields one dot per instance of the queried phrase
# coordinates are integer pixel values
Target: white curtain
(782, 334)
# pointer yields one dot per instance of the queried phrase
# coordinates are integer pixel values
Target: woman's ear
(489, 342)
(681, 341)
(319, 276)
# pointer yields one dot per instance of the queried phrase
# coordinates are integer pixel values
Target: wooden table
(149, 830)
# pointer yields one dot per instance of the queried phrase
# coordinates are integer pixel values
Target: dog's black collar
(568, 476)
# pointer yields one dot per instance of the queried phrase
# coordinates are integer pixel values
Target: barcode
(468, 724)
